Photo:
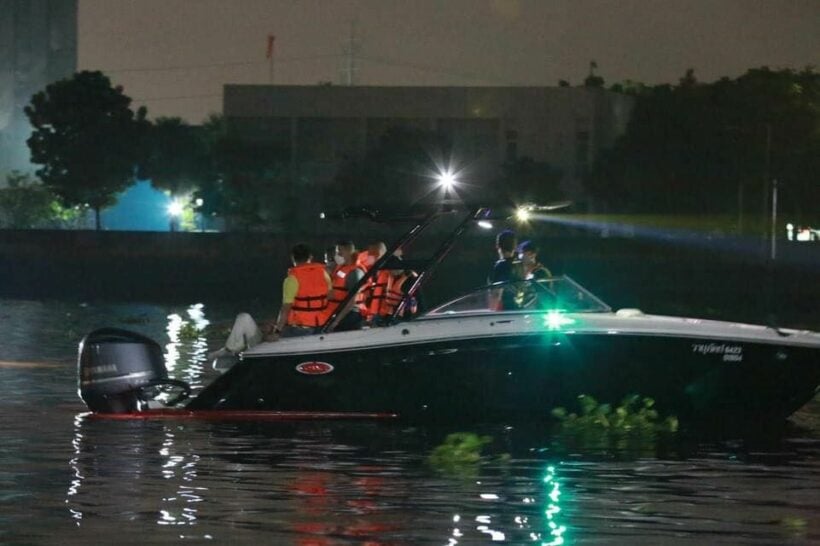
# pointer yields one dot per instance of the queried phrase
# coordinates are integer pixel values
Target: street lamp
(446, 179)
(174, 211)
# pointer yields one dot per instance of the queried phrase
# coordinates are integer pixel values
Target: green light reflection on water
(555, 529)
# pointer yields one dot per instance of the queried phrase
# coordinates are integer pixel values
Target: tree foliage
(246, 182)
(86, 138)
(177, 156)
(26, 204)
(696, 147)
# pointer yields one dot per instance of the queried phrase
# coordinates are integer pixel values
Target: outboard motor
(121, 371)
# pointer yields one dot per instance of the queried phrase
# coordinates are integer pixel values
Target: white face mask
(339, 259)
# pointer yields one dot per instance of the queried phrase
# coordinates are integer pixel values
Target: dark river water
(66, 478)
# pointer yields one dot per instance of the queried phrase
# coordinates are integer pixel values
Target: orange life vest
(310, 305)
(378, 292)
(394, 295)
(339, 292)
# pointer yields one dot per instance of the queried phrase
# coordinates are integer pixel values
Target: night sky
(432, 42)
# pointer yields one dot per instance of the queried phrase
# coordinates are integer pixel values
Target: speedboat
(502, 353)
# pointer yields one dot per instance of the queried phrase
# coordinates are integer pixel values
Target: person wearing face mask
(533, 269)
(346, 274)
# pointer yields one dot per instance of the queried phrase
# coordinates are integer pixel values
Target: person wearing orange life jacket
(399, 283)
(374, 292)
(345, 276)
(304, 296)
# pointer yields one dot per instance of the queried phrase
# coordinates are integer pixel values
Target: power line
(433, 69)
(177, 97)
(214, 65)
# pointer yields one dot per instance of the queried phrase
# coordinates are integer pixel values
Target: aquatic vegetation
(459, 454)
(189, 331)
(794, 526)
(632, 426)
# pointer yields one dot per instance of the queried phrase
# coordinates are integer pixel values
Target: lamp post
(447, 180)
(201, 219)
(174, 212)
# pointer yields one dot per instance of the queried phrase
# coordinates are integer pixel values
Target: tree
(177, 156)
(87, 139)
(25, 204)
(246, 182)
(593, 80)
(697, 147)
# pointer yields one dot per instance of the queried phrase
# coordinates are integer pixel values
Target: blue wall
(139, 208)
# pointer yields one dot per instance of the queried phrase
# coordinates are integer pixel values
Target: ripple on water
(68, 479)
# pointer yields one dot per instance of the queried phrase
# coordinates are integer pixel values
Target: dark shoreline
(715, 278)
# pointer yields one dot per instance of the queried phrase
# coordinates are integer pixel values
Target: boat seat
(629, 312)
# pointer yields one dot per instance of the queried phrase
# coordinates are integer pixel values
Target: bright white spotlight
(485, 224)
(522, 214)
(447, 179)
(175, 208)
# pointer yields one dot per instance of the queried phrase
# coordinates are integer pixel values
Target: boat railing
(554, 294)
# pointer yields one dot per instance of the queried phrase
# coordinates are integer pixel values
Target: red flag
(269, 52)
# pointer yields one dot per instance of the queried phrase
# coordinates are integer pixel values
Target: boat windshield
(553, 294)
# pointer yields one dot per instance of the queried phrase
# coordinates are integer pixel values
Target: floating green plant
(188, 331)
(631, 426)
(459, 454)
(794, 526)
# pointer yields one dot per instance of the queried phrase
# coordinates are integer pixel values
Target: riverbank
(720, 278)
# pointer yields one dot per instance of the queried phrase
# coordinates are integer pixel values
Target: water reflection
(553, 492)
(69, 478)
(187, 349)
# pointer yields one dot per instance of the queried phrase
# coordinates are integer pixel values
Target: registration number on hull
(730, 353)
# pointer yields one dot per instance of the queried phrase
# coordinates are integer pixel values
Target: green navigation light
(555, 319)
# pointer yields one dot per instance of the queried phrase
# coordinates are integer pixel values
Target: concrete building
(38, 45)
(322, 126)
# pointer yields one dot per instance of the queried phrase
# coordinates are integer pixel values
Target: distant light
(522, 214)
(175, 208)
(485, 224)
(790, 226)
(199, 202)
(322, 216)
(446, 179)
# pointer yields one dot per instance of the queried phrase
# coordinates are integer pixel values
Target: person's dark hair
(506, 240)
(528, 246)
(345, 243)
(301, 253)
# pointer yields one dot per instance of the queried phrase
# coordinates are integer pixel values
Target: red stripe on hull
(239, 415)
